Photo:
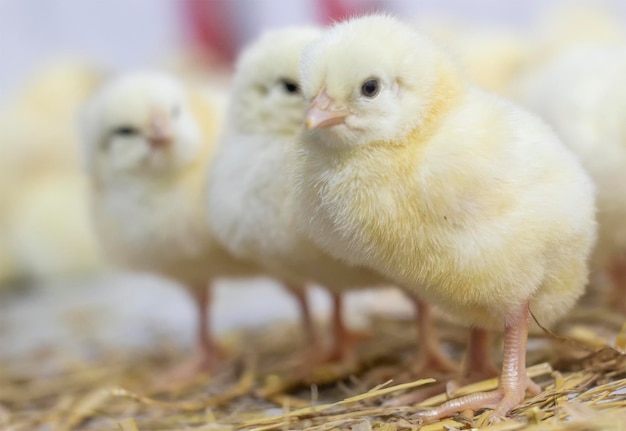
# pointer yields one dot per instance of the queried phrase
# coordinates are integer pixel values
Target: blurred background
(55, 285)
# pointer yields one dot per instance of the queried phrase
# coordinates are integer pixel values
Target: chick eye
(370, 88)
(290, 86)
(125, 131)
(176, 111)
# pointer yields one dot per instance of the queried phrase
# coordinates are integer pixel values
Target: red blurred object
(211, 28)
(214, 29)
(337, 10)
(334, 10)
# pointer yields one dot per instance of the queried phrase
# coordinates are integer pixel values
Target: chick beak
(159, 130)
(323, 112)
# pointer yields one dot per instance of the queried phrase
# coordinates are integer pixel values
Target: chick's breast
(486, 213)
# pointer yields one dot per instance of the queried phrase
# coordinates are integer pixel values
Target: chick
(147, 142)
(251, 207)
(474, 203)
(40, 173)
(581, 94)
(492, 57)
(249, 201)
(572, 24)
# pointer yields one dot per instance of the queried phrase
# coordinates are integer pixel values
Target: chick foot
(201, 362)
(514, 382)
(478, 366)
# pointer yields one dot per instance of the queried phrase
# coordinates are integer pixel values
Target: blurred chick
(467, 199)
(250, 201)
(492, 57)
(573, 24)
(147, 142)
(40, 173)
(581, 94)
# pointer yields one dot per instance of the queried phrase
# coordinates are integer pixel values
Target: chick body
(251, 205)
(148, 143)
(450, 191)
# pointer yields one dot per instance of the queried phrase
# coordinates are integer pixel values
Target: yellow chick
(40, 173)
(463, 197)
(147, 143)
(582, 96)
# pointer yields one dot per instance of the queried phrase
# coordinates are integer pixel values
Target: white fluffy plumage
(250, 198)
(148, 141)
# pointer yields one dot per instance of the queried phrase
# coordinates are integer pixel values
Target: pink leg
(617, 274)
(430, 357)
(514, 382)
(208, 352)
(478, 363)
(211, 351)
(343, 341)
(308, 325)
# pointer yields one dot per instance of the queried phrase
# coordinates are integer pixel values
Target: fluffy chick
(581, 95)
(40, 173)
(250, 199)
(462, 196)
(147, 142)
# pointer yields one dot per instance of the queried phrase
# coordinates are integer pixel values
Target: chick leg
(430, 356)
(308, 325)
(313, 353)
(514, 382)
(617, 274)
(478, 362)
(342, 348)
(208, 351)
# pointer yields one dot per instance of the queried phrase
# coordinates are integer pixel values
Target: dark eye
(125, 131)
(290, 86)
(370, 88)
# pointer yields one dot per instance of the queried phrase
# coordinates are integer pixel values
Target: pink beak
(159, 130)
(323, 113)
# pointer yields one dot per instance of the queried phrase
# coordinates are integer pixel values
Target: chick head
(140, 124)
(369, 79)
(266, 96)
